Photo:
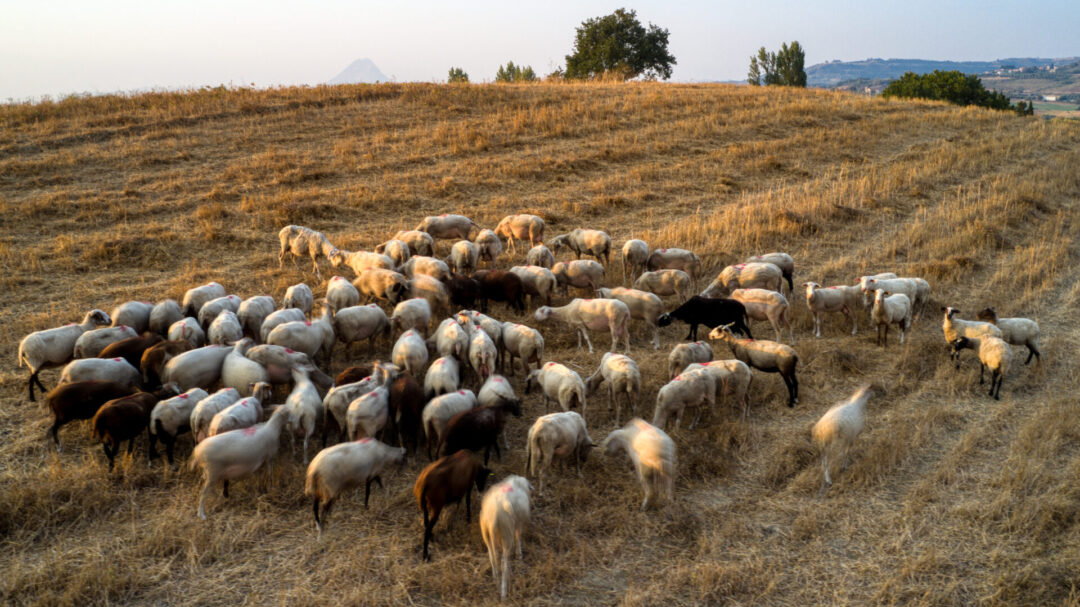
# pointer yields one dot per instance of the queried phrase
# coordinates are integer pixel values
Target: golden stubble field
(951, 497)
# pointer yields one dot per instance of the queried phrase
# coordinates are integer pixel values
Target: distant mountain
(835, 72)
(360, 71)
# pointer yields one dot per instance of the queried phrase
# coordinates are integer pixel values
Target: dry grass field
(951, 498)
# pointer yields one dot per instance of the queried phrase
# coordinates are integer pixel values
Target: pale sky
(57, 47)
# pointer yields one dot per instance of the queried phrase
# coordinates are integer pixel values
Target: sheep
(904, 286)
(443, 377)
(675, 259)
(358, 261)
(585, 242)
(102, 369)
(299, 241)
(397, 250)
(464, 291)
(622, 375)
(653, 454)
(1015, 331)
(279, 361)
(755, 275)
(835, 432)
(688, 389)
(170, 418)
(154, 359)
(188, 330)
(439, 411)
(496, 391)
(596, 314)
(434, 291)
(683, 355)
(446, 481)
(464, 257)
(234, 455)
(305, 408)
(483, 355)
(132, 348)
(205, 410)
(198, 368)
(341, 294)
(337, 400)
(521, 226)
(470, 319)
(785, 262)
(541, 256)
(478, 428)
(708, 311)
(520, 341)
(504, 513)
(163, 315)
(451, 340)
(994, 353)
(840, 298)
(580, 274)
(81, 400)
(134, 314)
(243, 413)
(537, 281)
(447, 227)
(355, 323)
(410, 353)
(889, 308)
(252, 312)
(642, 305)
(500, 285)
(561, 383)
(92, 342)
(312, 337)
(279, 317)
(411, 314)
(635, 254)
(763, 304)
(125, 418)
(407, 404)
(211, 309)
(489, 244)
(420, 243)
(240, 372)
(763, 355)
(299, 296)
(732, 377)
(428, 266)
(368, 413)
(196, 297)
(344, 466)
(226, 329)
(382, 284)
(868, 296)
(556, 436)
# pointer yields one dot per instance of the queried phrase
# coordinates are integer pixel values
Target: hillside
(950, 498)
(833, 73)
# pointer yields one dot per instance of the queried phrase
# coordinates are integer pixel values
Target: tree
(515, 73)
(618, 44)
(457, 75)
(783, 68)
(953, 86)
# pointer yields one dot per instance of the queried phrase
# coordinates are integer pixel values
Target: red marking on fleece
(117, 359)
(498, 380)
(307, 322)
(249, 430)
(507, 488)
(461, 392)
(366, 439)
(183, 396)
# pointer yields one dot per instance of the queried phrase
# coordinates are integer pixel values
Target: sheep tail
(314, 480)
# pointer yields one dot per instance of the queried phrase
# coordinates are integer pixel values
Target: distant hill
(360, 71)
(835, 72)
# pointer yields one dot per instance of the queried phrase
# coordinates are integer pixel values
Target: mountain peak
(360, 71)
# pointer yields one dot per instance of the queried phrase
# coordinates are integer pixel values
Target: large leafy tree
(954, 86)
(782, 68)
(515, 73)
(619, 44)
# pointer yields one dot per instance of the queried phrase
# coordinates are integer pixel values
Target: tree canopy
(783, 68)
(457, 75)
(515, 73)
(619, 44)
(953, 86)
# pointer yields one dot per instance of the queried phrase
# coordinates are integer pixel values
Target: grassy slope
(951, 498)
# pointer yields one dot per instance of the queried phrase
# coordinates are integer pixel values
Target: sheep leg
(225, 489)
(506, 569)
(56, 438)
(30, 386)
(207, 487)
(825, 464)
(169, 449)
(982, 368)
(306, 436)
(428, 526)
(315, 509)
(151, 450)
(582, 331)
(367, 489)
(109, 454)
(1032, 352)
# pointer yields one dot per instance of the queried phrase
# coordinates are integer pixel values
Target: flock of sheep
(150, 366)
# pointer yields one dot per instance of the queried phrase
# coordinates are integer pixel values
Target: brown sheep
(81, 400)
(124, 418)
(445, 481)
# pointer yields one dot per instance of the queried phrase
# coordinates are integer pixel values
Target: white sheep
(835, 432)
(1015, 331)
(653, 454)
(580, 274)
(635, 255)
(904, 286)
(868, 296)
(337, 400)
(244, 413)
(279, 317)
(558, 382)
(764, 355)
(355, 323)
(622, 375)
(541, 256)
(584, 242)
(496, 391)
(683, 355)
(840, 298)
(464, 257)
(340, 293)
(198, 368)
(994, 353)
(688, 389)
(554, 437)
(205, 409)
(196, 297)
(420, 243)
(171, 417)
(520, 341)
(447, 226)
(187, 329)
(431, 289)
(755, 275)
(397, 250)
(211, 309)
(312, 337)
(226, 329)
(470, 319)
(163, 315)
(676, 259)
(595, 314)
(410, 353)
(252, 312)
(890, 309)
(134, 314)
(102, 369)
(300, 241)
(642, 305)
(438, 413)
(240, 372)
(358, 261)
(234, 455)
(442, 377)
(521, 226)
(428, 266)
(411, 314)
(538, 282)
(92, 342)
(483, 355)
(785, 262)
(344, 466)
(489, 244)
(451, 340)
(504, 513)
(305, 408)
(763, 304)
(299, 296)
(382, 284)
(368, 413)
(732, 377)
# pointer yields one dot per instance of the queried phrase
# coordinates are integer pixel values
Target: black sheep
(711, 312)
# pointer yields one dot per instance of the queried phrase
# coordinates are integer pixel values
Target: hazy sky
(54, 47)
